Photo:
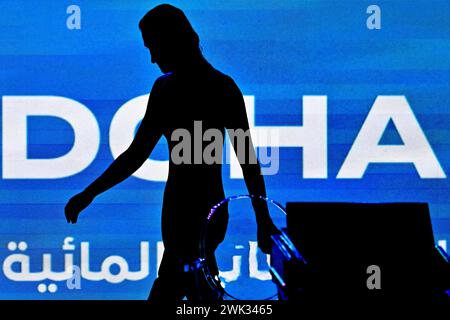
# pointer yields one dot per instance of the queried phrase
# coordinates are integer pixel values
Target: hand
(75, 205)
(264, 233)
(266, 228)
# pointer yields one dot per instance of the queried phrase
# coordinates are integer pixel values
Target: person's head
(170, 37)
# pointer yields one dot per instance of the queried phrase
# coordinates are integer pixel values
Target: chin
(164, 68)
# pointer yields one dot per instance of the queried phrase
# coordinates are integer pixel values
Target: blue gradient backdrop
(277, 51)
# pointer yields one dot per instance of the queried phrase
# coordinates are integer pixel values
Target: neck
(191, 64)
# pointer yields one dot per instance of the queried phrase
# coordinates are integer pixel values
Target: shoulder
(226, 83)
(162, 81)
(160, 86)
(224, 78)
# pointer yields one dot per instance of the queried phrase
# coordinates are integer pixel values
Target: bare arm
(126, 164)
(240, 137)
(130, 160)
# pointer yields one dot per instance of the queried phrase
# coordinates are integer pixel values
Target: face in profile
(169, 36)
(161, 55)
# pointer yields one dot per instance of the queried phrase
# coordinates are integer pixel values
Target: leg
(170, 284)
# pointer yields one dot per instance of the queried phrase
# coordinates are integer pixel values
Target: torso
(192, 188)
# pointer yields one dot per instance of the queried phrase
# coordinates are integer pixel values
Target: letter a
(374, 20)
(374, 280)
(415, 149)
(74, 20)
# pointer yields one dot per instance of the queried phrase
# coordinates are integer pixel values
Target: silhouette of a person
(190, 90)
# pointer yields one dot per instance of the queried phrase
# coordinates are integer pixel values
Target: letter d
(16, 109)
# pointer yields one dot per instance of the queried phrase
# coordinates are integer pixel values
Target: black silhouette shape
(191, 90)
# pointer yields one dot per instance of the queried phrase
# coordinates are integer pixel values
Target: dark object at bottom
(371, 252)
